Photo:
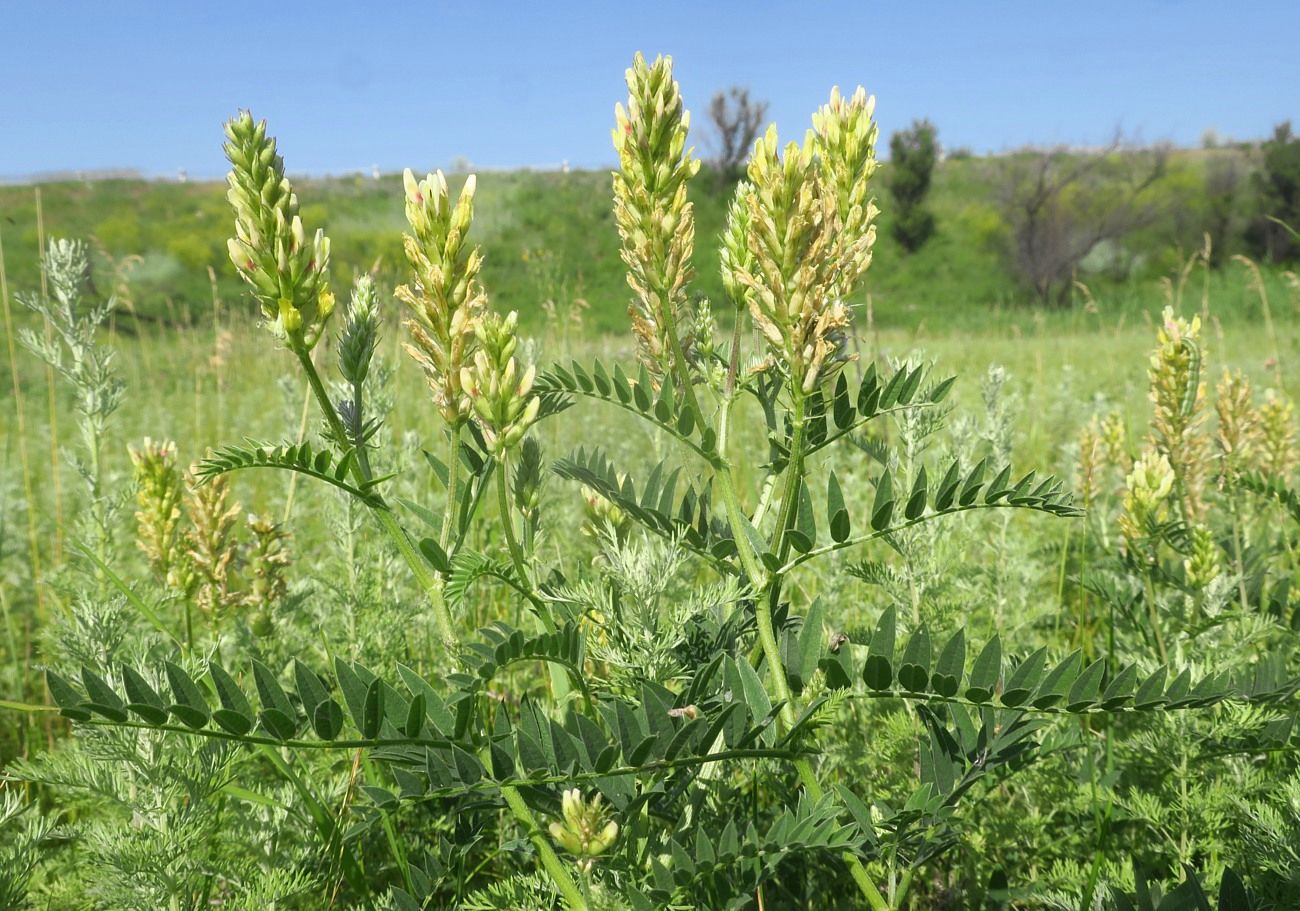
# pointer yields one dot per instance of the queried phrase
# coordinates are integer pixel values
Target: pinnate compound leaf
(290, 457)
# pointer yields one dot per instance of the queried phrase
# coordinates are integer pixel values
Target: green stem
(763, 616)
(507, 523)
(1239, 547)
(358, 440)
(390, 833)
(904, 886)
(1154, 616)
(98, 509)
(424, 575)
(731, 503)
(764, 499)
(550, 860)
(793, 478)
(680, 366)
(453, 472)
(517, 552)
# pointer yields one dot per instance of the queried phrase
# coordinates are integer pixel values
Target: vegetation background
(1042, 361)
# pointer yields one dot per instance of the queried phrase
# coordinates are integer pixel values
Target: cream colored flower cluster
(289, 275)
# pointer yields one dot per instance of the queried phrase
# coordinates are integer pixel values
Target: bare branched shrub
(1224, 180)
(1060, 204)
(737, 119)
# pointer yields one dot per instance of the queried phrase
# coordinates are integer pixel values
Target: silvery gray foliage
(71, 346)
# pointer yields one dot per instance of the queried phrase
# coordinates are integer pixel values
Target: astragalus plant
(561, 756)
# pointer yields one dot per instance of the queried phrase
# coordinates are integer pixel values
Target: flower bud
(585, 830)
(500, 399)
(269, 248)
(360, 333)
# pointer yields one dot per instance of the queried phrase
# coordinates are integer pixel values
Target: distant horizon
(92, 175)
(142, 85)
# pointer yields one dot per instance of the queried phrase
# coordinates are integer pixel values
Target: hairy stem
(99, 510)
(763, 616)
(793, 480)
(680, 367)
(516, 552)
(1239, 548)
(731, 502)
(453, 473)
(424, 575)
(1154, 616)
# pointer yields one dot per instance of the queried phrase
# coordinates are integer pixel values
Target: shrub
(1277, 186)
(912, 155)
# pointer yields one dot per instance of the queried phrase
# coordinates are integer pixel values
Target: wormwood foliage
(658, 724)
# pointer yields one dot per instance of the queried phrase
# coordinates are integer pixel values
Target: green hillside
(551, 235)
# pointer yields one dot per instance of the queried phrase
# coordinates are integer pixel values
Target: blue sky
(89, 85)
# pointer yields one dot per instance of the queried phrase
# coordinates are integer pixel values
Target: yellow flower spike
(1276, 453)
(1147, 491)
(1178, 415)
(801, 254)
(500, 398)
(1204, 564)
(655, 220)
(1238, 434)
(290, 279)
(158, 497)
(445, 299)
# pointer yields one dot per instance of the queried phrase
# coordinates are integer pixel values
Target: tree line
(1062, 205)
